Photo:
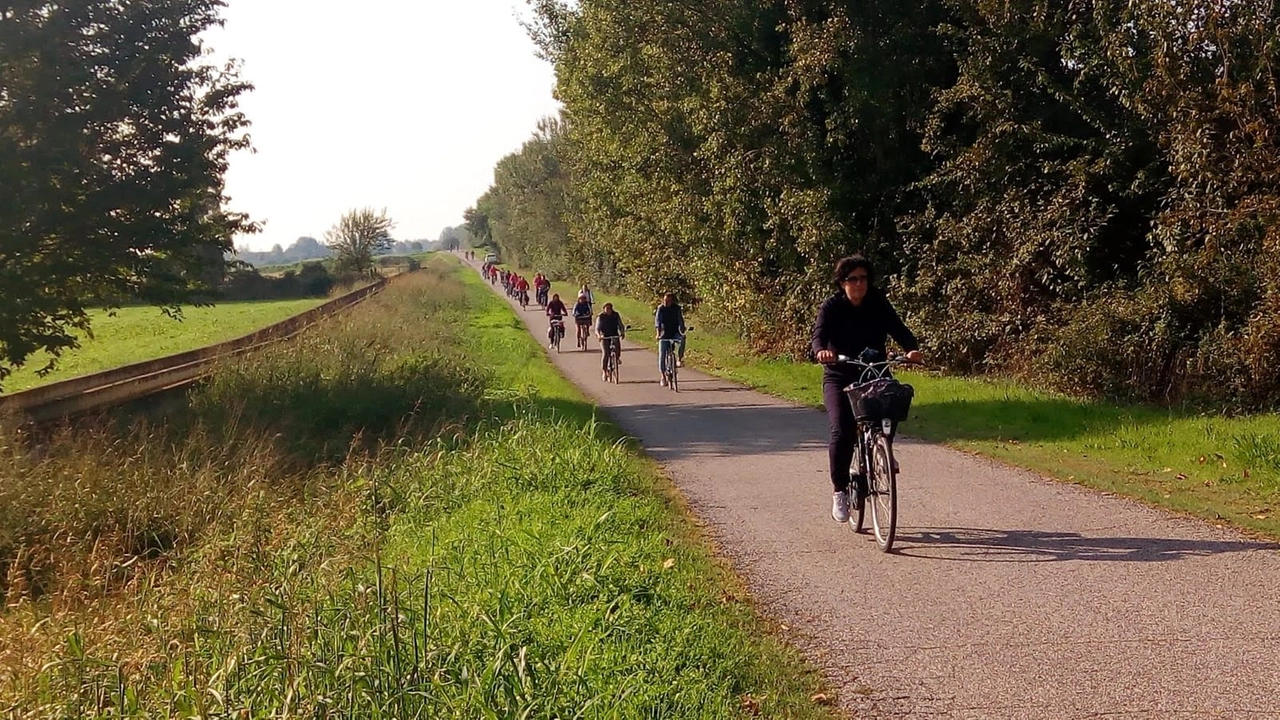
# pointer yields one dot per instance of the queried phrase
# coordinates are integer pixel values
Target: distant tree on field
(358, 236)
(304, 248)
(115, 132)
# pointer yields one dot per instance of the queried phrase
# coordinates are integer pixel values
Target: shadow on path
(986, 545)
(724, 430)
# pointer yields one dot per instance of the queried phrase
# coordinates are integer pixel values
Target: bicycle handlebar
(892, 362)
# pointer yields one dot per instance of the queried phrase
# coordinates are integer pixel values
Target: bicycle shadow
(987, 545)
(723, 429)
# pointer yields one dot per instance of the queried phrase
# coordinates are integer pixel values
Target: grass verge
(406, 513)
(1223, 469)
(135, 334)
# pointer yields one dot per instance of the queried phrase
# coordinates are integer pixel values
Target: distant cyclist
(522, 290)
(586, 290)
(858, 317)
(541, 285)
(556, 311)
(668, 320)
(610, 331)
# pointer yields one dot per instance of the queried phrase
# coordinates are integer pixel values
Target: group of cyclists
(856, 321)
(608, 326)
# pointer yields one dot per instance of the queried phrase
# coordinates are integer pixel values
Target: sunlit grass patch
(135, 334)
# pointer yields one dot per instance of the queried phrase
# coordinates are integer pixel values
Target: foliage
(304, 248)
(114, 137)
(523, 214)
(1082, 193)
(357, 237)
(453, 238)
(311, 279)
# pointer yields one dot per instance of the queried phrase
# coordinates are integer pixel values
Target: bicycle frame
(558, 325)
(612, 344)
(670, 350)
(873, 446)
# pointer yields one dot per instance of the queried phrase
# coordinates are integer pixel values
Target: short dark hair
(846, 265)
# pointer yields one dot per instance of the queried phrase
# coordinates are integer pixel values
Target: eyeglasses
(854, 279)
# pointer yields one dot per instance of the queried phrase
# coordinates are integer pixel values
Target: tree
(114, 139)
(358, 236)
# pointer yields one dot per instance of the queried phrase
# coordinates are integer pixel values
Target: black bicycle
(556, 331)
(584, 331)
(671, 361)
(879, 403)
(611, 346)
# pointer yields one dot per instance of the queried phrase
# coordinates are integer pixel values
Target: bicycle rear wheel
(883, 485)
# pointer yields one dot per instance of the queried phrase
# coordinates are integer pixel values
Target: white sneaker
(664, 381)
(679, 363)
(840, 506)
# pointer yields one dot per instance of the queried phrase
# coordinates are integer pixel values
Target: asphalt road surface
(1007, 595)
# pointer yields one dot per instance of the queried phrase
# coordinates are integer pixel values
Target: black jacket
(846, 329)
(609, 325)
(669, 321)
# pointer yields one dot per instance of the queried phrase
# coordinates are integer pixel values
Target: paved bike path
(1008, 596)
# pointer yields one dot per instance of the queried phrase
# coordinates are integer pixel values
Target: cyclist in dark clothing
(556, 312)
(610, 331)
(857, 318)
(668, 320)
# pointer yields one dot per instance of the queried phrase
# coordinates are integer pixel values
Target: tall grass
(405, 514)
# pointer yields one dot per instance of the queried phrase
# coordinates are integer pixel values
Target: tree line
(1080, 192)
(116, 131)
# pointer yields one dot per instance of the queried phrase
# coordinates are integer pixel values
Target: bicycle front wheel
(883, 486)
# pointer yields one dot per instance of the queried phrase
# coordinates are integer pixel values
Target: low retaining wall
(131, 382)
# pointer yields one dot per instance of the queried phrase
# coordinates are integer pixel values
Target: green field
(135, 334)
(408, 513)
(1225, 470)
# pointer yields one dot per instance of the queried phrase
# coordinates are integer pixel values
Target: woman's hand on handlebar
(914, 357)
(826, 356)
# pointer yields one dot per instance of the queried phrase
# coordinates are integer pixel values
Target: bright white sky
(402, 104)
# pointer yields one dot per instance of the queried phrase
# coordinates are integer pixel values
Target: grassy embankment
(135, 334)
(1225, 470)
(405, 513)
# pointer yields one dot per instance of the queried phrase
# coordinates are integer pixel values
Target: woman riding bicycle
(609, 331)
(857, 318)
(555, 313)
(582, 312)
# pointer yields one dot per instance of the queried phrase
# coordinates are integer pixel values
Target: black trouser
(844, 432)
